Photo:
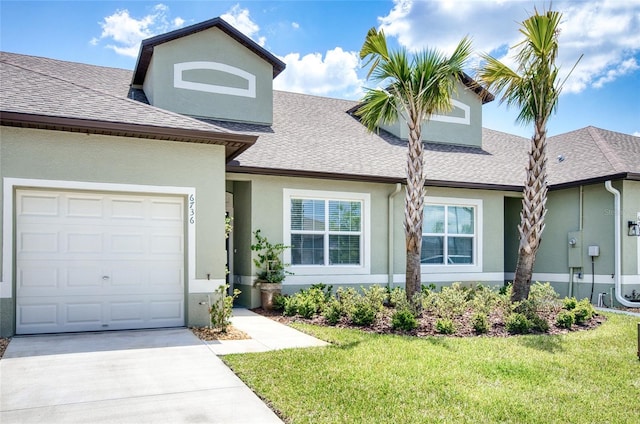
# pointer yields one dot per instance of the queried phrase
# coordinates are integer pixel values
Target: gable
(461, 126)
(209, 72)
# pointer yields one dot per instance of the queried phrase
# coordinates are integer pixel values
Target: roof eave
(234, 144)
(147, 46)
(238, 169)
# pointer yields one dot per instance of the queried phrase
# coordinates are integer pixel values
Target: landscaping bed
(457, 310)
(208, 334)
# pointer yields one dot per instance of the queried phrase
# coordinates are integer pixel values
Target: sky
(319, 41)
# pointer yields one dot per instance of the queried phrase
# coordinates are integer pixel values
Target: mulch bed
(3, 346)
(426, 324)
(209, 334)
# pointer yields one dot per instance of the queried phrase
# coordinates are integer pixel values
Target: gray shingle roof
(53, 94)
(311, 135)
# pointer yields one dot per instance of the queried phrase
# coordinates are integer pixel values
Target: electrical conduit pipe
(617, 249)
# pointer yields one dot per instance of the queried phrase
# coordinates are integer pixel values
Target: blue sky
(319, 41)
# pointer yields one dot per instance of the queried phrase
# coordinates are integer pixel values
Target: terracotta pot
(267, 291)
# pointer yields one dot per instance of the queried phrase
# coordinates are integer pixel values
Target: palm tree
(412, 89)
(534, 88)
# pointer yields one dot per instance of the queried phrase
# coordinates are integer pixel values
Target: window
(449, 235)
(326, 229)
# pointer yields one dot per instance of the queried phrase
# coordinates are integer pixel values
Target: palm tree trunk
(414, 209)
(534, 209)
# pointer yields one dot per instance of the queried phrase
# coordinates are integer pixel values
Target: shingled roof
(310, 136)
(45, 93)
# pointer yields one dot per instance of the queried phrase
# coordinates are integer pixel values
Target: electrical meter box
(574, 241)
(594, 251)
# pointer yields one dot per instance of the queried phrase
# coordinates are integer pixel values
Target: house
(116, 184)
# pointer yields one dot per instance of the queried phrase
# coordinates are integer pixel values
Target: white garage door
(94, 261)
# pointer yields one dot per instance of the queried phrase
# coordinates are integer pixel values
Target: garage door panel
(38, 277)
(38, 205)
(128, 208)
(82, 312)
(84, 207)
(39, 241)
(88, 262)
(44, 314)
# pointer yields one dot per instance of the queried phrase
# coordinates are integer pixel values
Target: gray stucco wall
(563, 216)
(264, 196)
(63, 156)
(447, 132)
(212, 45)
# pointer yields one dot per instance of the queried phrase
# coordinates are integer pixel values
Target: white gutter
(390, 246)
(617, 255)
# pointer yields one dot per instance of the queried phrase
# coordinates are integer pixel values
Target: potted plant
(271, 270)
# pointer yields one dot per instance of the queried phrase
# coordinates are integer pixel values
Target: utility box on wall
(574, 240)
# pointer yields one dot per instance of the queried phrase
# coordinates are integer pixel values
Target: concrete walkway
(145, 376)
(266, 334)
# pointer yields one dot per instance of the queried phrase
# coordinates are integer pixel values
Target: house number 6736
(192, 209)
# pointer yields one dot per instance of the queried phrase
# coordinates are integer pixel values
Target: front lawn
(581, 377)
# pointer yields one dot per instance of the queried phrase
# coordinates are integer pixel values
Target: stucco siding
(211, 46)
(97, 161)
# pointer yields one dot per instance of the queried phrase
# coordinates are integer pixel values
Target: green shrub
(347, 298)
(526, 307)
(376, 296)
(445, 326)
(517, 323)
(403, 319)
(398, 298)
(565, 319)
(332, 311)
(221, 307)
(363, 313)
(569, 303)
(543, 296)
(539, 324)
(279, 300)
(290, 306)
(451, 301)
(480, 322)
(484, 299)
(583, 311)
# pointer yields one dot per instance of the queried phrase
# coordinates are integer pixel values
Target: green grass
(581, 377)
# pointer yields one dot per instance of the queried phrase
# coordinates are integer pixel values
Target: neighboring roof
(592, 154)
(147, 46)
(297, 144)
(45, 93)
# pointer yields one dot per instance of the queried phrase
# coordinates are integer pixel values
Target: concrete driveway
(163, 376)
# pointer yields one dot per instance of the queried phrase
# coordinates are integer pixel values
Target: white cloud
(124, 32)
(637, 133)
(335, 74)
(239, 18)
(295, 25)
(607, 32)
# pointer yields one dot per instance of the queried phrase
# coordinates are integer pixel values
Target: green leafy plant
(376, 296)
(539, 324)
(583, 311)
(480, 322)
(363, 312)
(517, 323)
(271, 269)
(332, 311)
(565, 319)
(403, 319)
(451, 302)
(221, 307)
(445, 326)
(569, 303)
(279, 301)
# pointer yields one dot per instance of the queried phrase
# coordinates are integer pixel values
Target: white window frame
(365, 243)
(476, 266)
